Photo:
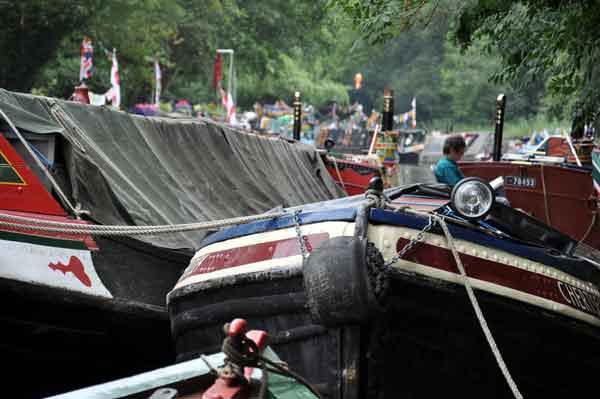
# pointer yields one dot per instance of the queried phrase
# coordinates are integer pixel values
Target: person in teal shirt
(446, 170)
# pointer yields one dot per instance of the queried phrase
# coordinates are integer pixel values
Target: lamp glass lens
(473, 199)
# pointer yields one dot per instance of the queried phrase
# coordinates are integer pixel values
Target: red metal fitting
(236, 327)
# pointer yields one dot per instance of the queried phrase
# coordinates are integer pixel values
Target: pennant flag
(414, 112)
(217, 71)
(227, 100)
(158, 79)
(114, 93)
(85, 69)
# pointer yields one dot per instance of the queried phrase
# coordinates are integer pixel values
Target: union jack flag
(85, 69)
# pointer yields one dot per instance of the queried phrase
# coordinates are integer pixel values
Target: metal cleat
(233, 379)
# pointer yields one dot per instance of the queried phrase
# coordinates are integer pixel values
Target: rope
(548, 221)
(589, 229)
(40, 164)
(337, 170)
(102, 230)
(478, 312)
(244, 352)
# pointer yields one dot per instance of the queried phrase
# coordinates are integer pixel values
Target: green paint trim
(41, 240)
(9, 175)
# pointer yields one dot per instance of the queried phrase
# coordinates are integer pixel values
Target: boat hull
(66, 303)
(427, 342)
(562, 197)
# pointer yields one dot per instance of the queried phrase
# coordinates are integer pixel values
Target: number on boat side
(521, 181)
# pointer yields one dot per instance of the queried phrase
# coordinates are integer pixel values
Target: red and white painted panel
(49, 262)
(493, 271)
(259, 252)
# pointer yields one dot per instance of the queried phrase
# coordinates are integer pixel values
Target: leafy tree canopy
(537, 40)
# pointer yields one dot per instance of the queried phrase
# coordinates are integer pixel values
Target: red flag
(217, 71)
(230, 107)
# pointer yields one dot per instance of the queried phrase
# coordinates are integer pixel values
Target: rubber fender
(345, 282)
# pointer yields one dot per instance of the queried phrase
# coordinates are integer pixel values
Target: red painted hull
(354, 177)
(560, 196)
(24, 193)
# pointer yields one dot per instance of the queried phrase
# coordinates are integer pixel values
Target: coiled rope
(32, 224)
(244, 352)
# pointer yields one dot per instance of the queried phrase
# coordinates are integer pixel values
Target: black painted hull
(56, 340)
(428, 343)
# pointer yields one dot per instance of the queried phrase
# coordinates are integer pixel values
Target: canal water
(408, 174)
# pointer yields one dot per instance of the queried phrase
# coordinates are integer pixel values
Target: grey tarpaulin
(129, 169)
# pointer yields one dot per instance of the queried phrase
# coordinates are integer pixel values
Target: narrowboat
(418, 291)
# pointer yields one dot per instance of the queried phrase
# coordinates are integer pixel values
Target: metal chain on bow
(409, 245)
(301, 238)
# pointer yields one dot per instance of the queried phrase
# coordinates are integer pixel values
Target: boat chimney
(500, 106)
(297, 116)
(81, 94)
(388, 110)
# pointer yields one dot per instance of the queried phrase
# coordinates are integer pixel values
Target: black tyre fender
(345, 281)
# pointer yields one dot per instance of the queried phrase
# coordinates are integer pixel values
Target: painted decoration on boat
(75, 267)
(8, 174)
(20, 188)
(51, 262)
(259, 252)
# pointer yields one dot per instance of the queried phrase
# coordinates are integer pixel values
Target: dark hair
(455, 143)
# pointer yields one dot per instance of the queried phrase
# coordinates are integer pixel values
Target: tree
(31, 32)
(536, 39)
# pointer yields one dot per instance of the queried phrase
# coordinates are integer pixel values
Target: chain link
(409, 245)
(301, 238)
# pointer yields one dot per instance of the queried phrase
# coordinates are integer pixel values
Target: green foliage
(306, 45)
(538, 40)
(31, 33)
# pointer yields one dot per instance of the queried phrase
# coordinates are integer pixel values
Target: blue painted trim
(342, 214)
(575, 267)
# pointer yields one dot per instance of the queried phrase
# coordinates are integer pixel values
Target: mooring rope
(337, 170)
(546, 208)
(478, 312)
(32, 224)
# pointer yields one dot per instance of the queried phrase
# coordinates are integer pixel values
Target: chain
(418, 238)
(301, 238)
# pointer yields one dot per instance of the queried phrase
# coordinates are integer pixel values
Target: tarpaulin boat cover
(127, 169)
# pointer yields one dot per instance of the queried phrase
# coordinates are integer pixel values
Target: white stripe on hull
(29, 263)
(334, 229)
